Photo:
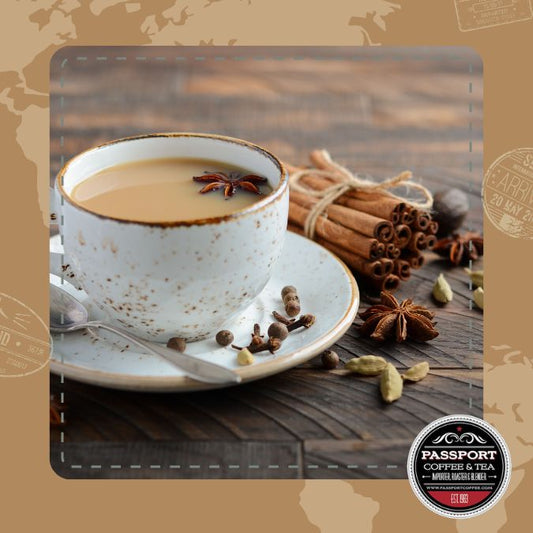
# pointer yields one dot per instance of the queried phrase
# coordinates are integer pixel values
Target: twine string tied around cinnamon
(343, 181)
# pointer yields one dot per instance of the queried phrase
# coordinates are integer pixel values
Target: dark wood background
(378, 111)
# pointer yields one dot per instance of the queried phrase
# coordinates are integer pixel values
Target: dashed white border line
(240, 58)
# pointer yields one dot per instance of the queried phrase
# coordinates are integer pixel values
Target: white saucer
(326, 288)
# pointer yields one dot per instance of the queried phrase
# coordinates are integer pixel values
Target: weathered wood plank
(305, 403)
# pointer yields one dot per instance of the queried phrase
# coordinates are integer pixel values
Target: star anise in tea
(230, 183)
(460, 249)
(400, 321)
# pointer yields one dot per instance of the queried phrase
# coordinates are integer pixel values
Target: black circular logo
(459, 466)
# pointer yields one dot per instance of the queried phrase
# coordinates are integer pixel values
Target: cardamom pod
(442, 292)
(245, 357)
(478, 297)
(366, 365)
(416, 372)
(476, 276)
(391, 384)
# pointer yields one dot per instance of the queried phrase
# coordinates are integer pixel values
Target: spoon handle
(196, 368)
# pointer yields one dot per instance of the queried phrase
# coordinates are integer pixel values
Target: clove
(257, 338)
(305, 321)
(282, 319)
(271, 345)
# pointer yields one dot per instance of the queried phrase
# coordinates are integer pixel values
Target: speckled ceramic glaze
(173, 278)
(327, 290)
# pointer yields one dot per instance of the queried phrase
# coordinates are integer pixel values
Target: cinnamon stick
(390, 283)
(431, 240)
(377, 235)
(335, 233)
(433, 227)
(388, 265)
(392, 251)
(417, 242)
(415, 260)
(408, 215)
(378, 204)
(403, 235)
(359, 221)
(372, 269)
(321, 161)
(402, 269)
(421, 221)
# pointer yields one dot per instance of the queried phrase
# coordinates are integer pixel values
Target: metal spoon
(68, 314)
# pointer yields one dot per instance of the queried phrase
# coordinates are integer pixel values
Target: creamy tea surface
(162, 190)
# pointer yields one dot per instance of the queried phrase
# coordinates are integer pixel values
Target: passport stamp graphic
(478, 14)
(24, 339)
(508, 193)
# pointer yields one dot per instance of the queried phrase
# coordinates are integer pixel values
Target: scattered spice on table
(476, 276)
(224, 337)
(257, 338)
(416, 372)
(442, 292)
(278, 330)
(280, 318)
(305, 321)
(460, 248)
(329, 359)
(478, 296)
(366, 365)
(245, 357)
(399, 321)
(450, 208)
(391, 384)
(291, 301)
(177, 343)
(390, 380)
(271, 345)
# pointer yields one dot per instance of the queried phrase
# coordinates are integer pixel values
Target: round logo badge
(459, 466)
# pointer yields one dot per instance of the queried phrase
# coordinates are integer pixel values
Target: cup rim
(274, 195)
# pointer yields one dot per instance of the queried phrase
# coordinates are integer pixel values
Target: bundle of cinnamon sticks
(380, 237)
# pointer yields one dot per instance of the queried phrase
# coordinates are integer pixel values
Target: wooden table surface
(378, 111)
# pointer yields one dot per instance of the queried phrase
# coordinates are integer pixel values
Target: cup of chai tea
(160, 252)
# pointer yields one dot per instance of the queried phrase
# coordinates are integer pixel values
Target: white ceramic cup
(171, 279)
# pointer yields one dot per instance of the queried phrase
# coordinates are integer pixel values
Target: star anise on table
(400, 321)
(460, 248)
(230, 183)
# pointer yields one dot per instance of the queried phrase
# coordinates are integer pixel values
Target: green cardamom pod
(366, 365)
(416, 372)
(442, 292)
(391, 384)
(476, 276)
(478, 297)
